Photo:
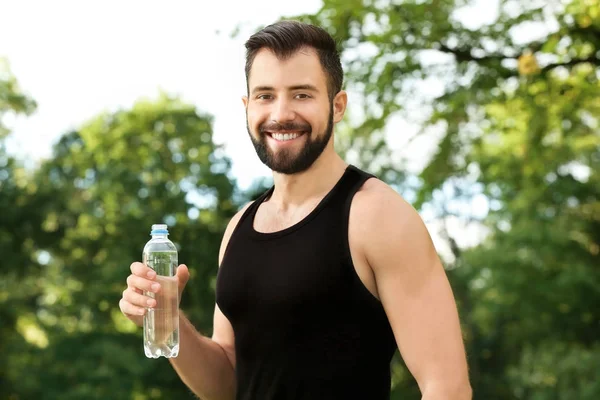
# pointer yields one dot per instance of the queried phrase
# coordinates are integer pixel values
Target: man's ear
(340, 101)
(245, 101)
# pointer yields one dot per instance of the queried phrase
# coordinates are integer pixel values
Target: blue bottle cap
(158, 229)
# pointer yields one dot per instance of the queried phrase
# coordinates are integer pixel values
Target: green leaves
(88, 213)
(12, 100)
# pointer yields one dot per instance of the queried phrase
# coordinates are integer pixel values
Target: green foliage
(19, 214)
(89, 211)
(12, 100)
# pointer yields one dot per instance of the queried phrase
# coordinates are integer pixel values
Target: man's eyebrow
(263, 89)
(291, 88)
(304, 87)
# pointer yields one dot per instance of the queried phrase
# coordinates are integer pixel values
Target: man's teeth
(284, 136)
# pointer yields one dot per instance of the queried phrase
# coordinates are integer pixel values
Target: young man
(325, 275)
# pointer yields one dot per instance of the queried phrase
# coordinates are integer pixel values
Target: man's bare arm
(415, 292)
(205, 365)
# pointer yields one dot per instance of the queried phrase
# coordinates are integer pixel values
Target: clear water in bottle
(161, 323)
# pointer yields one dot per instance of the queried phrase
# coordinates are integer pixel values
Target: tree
(17, 220)
(105, 185)
(515, 118)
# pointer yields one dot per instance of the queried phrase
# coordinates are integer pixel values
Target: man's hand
(134, 303)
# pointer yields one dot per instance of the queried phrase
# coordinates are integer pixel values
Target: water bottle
(161, 323)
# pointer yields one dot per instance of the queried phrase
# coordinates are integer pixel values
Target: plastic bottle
(161, 323)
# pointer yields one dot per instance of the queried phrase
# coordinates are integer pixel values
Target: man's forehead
(303, 64)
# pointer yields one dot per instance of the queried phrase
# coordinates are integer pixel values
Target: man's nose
(282, 111)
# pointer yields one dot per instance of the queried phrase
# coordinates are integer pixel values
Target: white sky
(79, 58)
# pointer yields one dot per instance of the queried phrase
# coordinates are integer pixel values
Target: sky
(80, 58)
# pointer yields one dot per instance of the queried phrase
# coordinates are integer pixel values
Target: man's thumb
(183, 275)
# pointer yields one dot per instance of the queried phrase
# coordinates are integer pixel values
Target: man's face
(288, 112)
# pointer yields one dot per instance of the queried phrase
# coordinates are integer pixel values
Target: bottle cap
(158, 229)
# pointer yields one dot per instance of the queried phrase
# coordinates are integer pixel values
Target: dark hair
(286, 37)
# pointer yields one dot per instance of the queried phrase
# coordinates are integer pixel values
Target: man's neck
(294, 190)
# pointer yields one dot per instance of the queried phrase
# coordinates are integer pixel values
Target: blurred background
(116, 115)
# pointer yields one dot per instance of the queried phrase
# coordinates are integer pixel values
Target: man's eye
(302, 96)
(264, 97)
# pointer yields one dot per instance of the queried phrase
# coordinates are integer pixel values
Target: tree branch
(593, 60)
(462, 55)
(465, 55)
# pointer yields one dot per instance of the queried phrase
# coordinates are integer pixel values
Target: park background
(116, 115)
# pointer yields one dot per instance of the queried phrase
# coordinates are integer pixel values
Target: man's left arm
(415, 293)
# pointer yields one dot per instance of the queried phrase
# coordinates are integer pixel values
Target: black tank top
(305, 325)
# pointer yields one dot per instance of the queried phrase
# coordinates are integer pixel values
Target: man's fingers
(130, 310)
(134, 303)
(137, 299)
(140, 291)
(139, 269)
(147, 285)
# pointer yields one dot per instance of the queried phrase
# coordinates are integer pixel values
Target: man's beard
(285, 161)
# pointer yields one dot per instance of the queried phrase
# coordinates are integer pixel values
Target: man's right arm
(205, 365)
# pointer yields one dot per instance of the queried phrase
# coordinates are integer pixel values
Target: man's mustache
(273, 126)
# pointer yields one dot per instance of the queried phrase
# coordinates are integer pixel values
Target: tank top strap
(354, 180)
(351, 182)
(245, 223)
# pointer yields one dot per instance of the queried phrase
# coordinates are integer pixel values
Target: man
(329, 271)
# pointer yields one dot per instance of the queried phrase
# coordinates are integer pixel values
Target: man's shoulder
(376, 204)
(375, 196)
(385, 227)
